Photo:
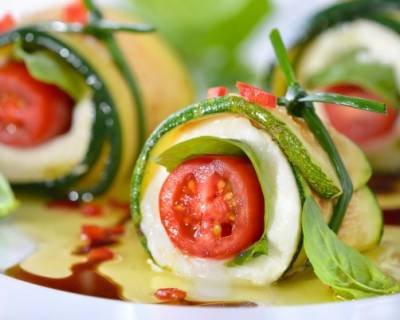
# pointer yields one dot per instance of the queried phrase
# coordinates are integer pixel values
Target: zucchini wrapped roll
(353, 48)
(73, 116)
(219, 187)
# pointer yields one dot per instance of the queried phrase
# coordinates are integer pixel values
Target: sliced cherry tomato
(359, 125)
(75, 12)
(256, 95)
(170, 294)
(7, 22)
(212, 206)
(215, 92)
(31, 112)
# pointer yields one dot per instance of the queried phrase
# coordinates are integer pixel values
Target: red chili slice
(75, 12)
(217, 92)
(256, 95)
(92, 209)
(100, 254)
(7, 22)
(170, 294)
(212, 206)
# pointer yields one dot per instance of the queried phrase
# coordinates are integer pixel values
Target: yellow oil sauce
(131, 275)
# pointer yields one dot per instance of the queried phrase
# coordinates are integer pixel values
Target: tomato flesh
(212, 206)
(31, 112)
(359, 125)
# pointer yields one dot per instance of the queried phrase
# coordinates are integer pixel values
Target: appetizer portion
(77, 101)
(352, 48)
(240, 188)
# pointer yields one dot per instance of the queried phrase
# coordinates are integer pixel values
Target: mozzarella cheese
(55, 158)
(284, 219)
(381, 44)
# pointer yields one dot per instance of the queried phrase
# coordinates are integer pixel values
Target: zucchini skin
(106, 124)
(374, 10)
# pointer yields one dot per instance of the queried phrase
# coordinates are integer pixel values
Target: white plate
(21, 300)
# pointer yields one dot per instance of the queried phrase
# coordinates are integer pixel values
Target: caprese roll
(219, 188)
(353, 48)
(77, 99)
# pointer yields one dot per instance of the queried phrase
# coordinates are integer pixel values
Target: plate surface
(22, 300)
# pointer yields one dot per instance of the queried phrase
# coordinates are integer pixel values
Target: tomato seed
(221, 185)
(217, 229)
(228, 196)
(191, 186)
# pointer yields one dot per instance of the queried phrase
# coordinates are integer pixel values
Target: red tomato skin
(256, 95)
(38, 111)
(7, 23)
(75, 12)
(194, 232)
(215, 92)
(360, 126)
(170, 294)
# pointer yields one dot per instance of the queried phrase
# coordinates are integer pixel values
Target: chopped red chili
(256, 95)
(75, 12)
(217, 92)
(7, 22)
(99, 236)
(100, 254)
(170, 294)
(92, 209)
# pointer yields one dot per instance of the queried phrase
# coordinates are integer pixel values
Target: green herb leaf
(357, 103)
(180, 152)
(7, 200)
(345, 270)
(47, 67)
(351, 68)
(282, 56)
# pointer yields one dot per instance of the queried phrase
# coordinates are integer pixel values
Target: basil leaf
(7, 199)
(48, 68)
(350, 274)
(351, 68)
(204, 145)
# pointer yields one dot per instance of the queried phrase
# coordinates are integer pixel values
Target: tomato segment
(31, 112)
(359, 125)
(256, 95)
(212, 206)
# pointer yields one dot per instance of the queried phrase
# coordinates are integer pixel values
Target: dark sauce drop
(84, 280)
